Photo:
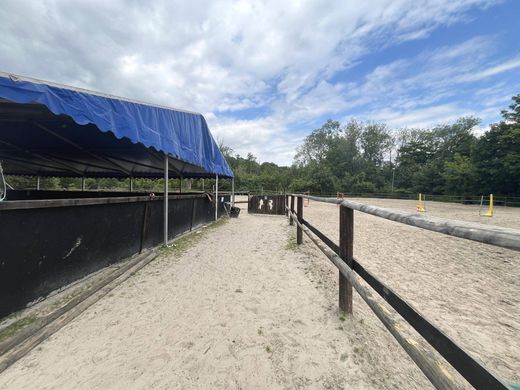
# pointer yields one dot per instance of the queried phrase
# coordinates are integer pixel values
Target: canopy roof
(55, 130)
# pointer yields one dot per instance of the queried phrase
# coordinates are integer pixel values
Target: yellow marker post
(489, 213)
(420, 205)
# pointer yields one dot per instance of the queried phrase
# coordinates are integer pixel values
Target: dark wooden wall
(267, 204)
(43, 249)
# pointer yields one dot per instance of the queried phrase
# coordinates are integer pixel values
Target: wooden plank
(192, 214)
(497, 236)
(346, 247)
(49, 203)
(144, 227)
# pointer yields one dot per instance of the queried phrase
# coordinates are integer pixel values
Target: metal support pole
(180, 184)
(131, 184)
(299, 215)
(233, 192)
(202, 184)
(38, 183)
(216, 197)
(166, 200)
(83, 184)
(346, 245)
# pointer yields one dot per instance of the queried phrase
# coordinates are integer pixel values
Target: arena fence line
(353, 275)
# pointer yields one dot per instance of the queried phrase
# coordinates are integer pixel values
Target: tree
(375, 141)
(497, 154)
(459, 175)
(316, 145)
(513, 116)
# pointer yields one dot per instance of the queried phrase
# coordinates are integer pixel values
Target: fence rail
(353, 274)
(499, 200)
(503, 237)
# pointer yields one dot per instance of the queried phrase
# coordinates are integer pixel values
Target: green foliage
(497, 156)
(459, 175)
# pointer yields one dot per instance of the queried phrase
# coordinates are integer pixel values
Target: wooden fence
(352, 275)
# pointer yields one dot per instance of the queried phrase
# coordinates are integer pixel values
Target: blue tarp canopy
(55, 130)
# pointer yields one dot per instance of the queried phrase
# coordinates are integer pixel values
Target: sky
(266, 73)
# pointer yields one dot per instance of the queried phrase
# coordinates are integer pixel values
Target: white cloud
(223, 57)
(422, 117)
(491, 71)
(265, 137)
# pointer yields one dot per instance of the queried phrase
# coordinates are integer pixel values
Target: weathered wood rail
(353, 275)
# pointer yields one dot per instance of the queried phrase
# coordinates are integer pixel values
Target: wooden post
(291, 222)
(346, 245)
(144, 227)
(299, 214)
(192, 213)
(233, 192)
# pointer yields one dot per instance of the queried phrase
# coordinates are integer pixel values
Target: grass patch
(182, 244)
(16, 326)
(291, 243)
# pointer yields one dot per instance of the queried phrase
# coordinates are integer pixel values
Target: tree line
(368, 157)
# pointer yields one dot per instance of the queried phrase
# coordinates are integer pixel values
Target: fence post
(292, 210)
(299, 215)
(346, 245)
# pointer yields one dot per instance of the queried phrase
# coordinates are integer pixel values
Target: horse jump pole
(299, 215)
(346, 245)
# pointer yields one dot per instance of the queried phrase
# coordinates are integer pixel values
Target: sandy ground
(241, 309)
(244, 309)
(470, 290)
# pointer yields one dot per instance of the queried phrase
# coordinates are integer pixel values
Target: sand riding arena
(243, 305)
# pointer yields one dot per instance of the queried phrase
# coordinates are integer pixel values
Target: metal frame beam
(68, 168)
(66, 140)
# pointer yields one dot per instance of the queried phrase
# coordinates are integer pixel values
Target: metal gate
(267, 204)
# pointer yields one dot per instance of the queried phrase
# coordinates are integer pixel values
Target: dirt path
(242, 308)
